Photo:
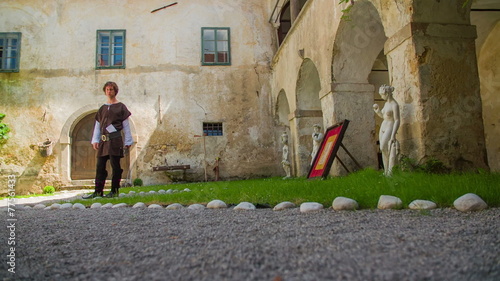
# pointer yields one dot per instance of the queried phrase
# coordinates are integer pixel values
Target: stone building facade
(207, 79)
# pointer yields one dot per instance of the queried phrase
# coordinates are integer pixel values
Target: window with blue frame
(110, 49)
(10, 47)
(212, 129)
(215, 46)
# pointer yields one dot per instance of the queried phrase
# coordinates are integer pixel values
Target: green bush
(49, 189)
(138, 182)
(4, 130)
(431, 166)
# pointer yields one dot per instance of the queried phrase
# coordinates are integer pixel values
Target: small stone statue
(284, 161)
(317, 137)
(388, 129)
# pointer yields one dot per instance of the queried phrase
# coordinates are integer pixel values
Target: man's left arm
(128, 134)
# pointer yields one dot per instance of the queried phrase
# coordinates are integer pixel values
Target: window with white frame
(10, 47)
(110, 49)
(215, 46)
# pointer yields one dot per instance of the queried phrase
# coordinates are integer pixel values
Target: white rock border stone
(139, 205)
(244, 206)
(107, 206)
(387, 202)
(120, 205)
(96, 206)
(78, 206)
(343, 203)
(196, 207)
(155, 206)
(284, 205)
(310, 207)
(469, 202)
(216, 204)
(422, 205)
(174, 206)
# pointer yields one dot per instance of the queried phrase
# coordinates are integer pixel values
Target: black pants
(101, 173)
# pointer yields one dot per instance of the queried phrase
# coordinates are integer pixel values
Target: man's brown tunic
(111, 114)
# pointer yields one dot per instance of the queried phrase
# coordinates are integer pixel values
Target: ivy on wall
(4, 130)
(345, 12)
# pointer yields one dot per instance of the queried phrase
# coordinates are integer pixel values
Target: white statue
(317, 137)
(284, 161)
(388, 129)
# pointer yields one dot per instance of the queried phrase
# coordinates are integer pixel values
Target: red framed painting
(328, 150)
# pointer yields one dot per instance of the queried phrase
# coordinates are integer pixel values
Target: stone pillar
(301, 124)
(65, 159)
(294, 10)
(353, 102)
(434, 72)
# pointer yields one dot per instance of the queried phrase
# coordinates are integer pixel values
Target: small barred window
(212, 129)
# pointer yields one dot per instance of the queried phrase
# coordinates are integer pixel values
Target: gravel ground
(135, 244)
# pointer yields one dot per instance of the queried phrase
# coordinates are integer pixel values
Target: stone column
(301, 124)
(433, 69)
(65, 159)
(353, 102)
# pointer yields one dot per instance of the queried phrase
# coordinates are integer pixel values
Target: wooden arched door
(83, 156)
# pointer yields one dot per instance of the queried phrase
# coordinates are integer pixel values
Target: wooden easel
(350, 155)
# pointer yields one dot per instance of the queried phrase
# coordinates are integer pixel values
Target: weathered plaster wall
(164, 85)
(316, 43)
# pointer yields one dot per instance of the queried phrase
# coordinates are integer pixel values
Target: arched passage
(283, 123)
(379, 76)
(282, 109)
(356, 51)
(307, 114)
(358, 44)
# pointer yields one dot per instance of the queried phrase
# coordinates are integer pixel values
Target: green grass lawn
(364, 186)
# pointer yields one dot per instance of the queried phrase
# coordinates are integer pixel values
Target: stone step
(87, 184)
(76, 187)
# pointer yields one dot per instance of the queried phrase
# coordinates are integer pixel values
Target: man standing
(107, 139)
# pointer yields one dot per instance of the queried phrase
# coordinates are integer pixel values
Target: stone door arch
(83, 156)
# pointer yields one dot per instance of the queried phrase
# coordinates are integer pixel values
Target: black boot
(114, 193)
(115, 184)
(99, 190)
(93, 195)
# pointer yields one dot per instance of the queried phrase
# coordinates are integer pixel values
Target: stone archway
(71, 129)
(282, 109)
(356, 49)
(282, 118)
(307, 113)
(83, 156)
(379, 76)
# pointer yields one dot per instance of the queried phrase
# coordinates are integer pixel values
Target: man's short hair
(111, 84)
